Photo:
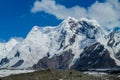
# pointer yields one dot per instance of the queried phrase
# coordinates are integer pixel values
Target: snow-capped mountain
(78, 44)
(6, 47)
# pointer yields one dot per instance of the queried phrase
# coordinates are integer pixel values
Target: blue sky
(17, 17)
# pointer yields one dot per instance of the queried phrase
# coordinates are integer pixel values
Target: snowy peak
(72, 22)
(6, 47)
(83, 25)
(69, 26)
(11, 43)
(35, 28)
(15, 40)
(91, 22)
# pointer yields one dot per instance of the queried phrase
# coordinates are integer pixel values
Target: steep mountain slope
(74, 44)
(114, 42)
(6, 47)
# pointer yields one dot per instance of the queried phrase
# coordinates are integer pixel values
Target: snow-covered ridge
(6, 47)
(71, 34)
(92, 22)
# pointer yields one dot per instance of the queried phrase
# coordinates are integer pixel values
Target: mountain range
(73, 44)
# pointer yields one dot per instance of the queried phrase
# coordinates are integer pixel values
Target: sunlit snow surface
(96, 74)
(4, 73)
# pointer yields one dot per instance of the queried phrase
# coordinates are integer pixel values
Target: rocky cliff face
(74, 44)
(56, 62)
(94, 56)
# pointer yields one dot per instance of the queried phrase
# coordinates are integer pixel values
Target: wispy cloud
(107, 14)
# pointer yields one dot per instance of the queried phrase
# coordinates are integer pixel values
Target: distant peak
(68, 21)
(92, 22)
(16, 39)
(71, 19)
(12, 40)
(35, 28)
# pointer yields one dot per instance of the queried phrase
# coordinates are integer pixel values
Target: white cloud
(59, 11)
(107, 14)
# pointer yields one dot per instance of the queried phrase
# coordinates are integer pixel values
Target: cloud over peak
(107, 13)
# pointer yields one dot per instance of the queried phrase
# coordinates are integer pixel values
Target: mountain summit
(73, 44)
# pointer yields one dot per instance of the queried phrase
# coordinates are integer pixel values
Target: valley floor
(4, 72)
(59, 75)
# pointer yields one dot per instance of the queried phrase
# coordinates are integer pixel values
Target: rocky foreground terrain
(61, 75)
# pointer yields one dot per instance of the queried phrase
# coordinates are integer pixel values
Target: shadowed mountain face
(94, 56)
(56, 62)
(74, 44)
(114, 42)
